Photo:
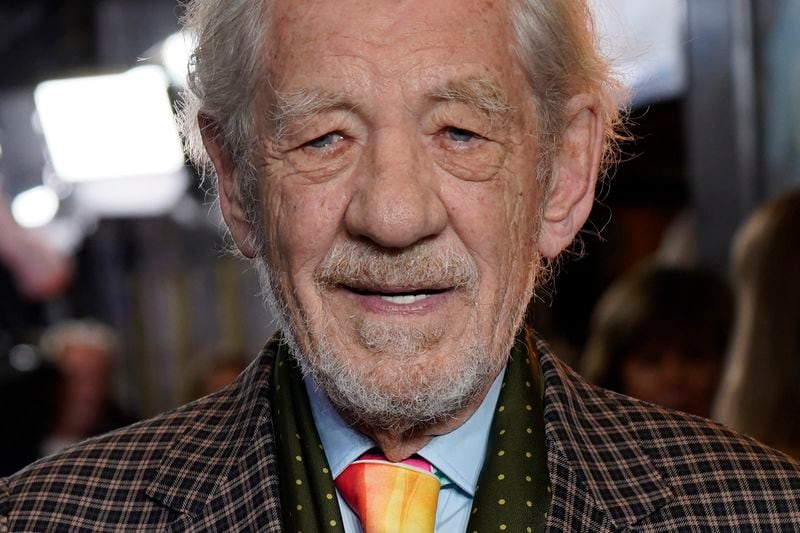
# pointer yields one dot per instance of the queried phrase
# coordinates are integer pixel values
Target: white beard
(406, 384)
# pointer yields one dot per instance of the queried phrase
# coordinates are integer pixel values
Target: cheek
(494, 222)
(520, 202)
(303, 221)
(504, 194)
(479, 217)
(480, 164)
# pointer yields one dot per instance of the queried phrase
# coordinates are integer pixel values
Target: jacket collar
(600, 444)
(216, 428)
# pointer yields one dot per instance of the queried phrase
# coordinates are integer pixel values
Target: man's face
(399, 198)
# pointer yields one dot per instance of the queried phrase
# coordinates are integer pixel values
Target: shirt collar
(458, 454)
(342, 444)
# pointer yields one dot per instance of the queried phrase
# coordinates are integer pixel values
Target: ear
(575, 168)
(230, 202)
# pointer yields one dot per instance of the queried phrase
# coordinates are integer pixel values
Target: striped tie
(391, 497)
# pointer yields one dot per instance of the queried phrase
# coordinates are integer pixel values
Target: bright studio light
(104, 127)
(35, 207)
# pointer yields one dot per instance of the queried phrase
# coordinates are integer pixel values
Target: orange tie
(391, 497)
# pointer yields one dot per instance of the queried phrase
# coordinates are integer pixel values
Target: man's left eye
(324, 141)
(460, 135)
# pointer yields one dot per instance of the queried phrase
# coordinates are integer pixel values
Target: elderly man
(400, 172)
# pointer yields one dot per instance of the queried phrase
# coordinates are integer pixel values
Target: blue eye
(460, 136)
(323, 141)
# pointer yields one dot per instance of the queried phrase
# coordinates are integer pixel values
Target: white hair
(556, 43)
(226, 71)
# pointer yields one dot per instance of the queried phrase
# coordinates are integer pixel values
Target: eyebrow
(478, 92)
(296, 108)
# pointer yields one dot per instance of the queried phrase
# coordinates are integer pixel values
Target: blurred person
(83, 351)
(760, 390)
(32, 273)
(660, 334)
(401, 174)
(39, 271)
(223, 369)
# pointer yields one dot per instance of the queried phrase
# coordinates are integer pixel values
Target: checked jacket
(615, 464)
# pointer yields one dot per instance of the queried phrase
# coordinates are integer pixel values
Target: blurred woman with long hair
(760, 390)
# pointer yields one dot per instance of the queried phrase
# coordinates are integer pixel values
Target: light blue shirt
(458, 454)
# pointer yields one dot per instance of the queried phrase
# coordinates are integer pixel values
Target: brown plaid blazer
(616, 464)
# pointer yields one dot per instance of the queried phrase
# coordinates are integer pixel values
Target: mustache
(364, 265)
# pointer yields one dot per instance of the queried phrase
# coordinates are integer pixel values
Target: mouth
(398, 299)
(399, 296)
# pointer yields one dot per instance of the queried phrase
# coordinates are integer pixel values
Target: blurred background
(118, 299)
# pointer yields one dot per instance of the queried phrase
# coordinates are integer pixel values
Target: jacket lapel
(600, 472)
(224, 456)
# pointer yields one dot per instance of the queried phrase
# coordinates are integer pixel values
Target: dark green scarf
(513, 491)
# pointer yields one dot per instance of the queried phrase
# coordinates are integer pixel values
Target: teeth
(403, 299)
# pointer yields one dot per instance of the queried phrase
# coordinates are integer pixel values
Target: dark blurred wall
(42, 39)
(127, 28)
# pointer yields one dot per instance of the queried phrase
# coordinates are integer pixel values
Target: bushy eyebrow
(295, 109)
(478, 92)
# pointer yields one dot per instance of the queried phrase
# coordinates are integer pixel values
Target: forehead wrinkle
(294, 109)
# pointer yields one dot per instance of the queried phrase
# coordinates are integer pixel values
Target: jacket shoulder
(102, 480)
(691, 447)
(719, 478)
(663, 469)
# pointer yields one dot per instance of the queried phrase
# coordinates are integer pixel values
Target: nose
(397, 202)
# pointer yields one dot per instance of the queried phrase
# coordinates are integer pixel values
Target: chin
(428, 378)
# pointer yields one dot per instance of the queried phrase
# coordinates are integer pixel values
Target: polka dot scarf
(307, 492)
(513, 492)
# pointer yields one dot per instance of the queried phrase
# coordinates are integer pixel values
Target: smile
(399, 300)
